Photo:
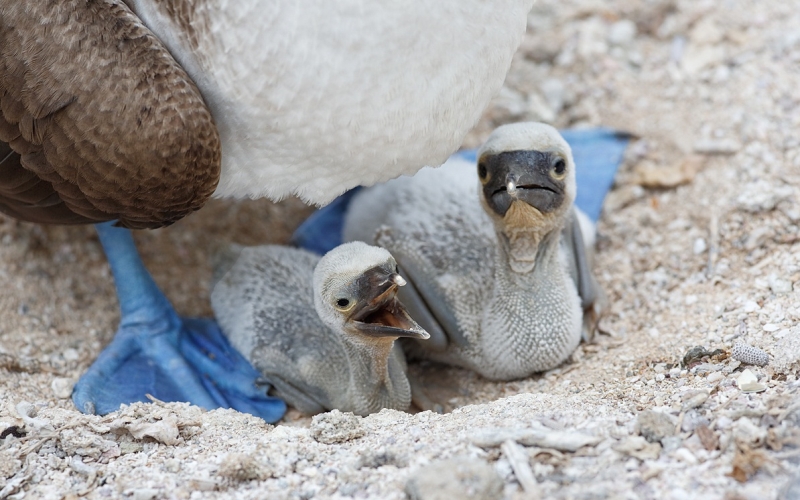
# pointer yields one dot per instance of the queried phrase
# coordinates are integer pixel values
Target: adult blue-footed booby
(322, 331)
(139, 111)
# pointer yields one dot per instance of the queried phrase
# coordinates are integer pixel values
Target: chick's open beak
(378, 313)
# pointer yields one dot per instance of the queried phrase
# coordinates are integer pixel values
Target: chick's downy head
(355, 293)
(527, 176)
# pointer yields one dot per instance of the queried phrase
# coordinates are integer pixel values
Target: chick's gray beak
(511, 185)
(378, 313)
(528, 176)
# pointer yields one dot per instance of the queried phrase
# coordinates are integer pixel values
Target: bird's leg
(156, 352)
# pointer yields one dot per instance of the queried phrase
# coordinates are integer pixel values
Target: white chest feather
(313, 97)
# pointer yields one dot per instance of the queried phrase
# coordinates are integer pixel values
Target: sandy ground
(698, 246)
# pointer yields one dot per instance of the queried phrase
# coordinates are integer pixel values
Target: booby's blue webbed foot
(156, 352)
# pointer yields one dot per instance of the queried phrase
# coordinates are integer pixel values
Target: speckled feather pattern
(313, 97)
(101, 114)
(264, 304)
(515, 324)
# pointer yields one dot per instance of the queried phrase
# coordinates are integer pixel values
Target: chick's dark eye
(342, 302)
(559, 167)
(482, 170)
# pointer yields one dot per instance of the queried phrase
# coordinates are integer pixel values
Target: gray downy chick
(321, 330)
(503, 282)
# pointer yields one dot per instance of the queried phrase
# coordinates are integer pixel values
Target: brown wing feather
(97, 120)
(25, 196)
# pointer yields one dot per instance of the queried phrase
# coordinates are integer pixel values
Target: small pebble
(723, 423)
(671, 443)
(746, 433)
(706, 368)
(692, 420)
(12, 430)
(684, 455)
(696, 354)
(757, 238)
(172, 465)
(462, 477)
(694, 400)
(699, 246)
(309, 472)
(751, 306)
(707, 437)
(654, 426)
(199, 484)
(241, 467)
(717, 146)
(62, 387)
(380, 457)
(638, 447)
(144, 493)
(715, 377)
(126, 447)
(793, 214)
(70, 354)
(763, 196)
(622, 32)
(78, 466)
(336, 427)
(780, 286)
(771, 327)
(732, 366)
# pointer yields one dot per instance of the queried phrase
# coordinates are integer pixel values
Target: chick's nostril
(511, 184)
